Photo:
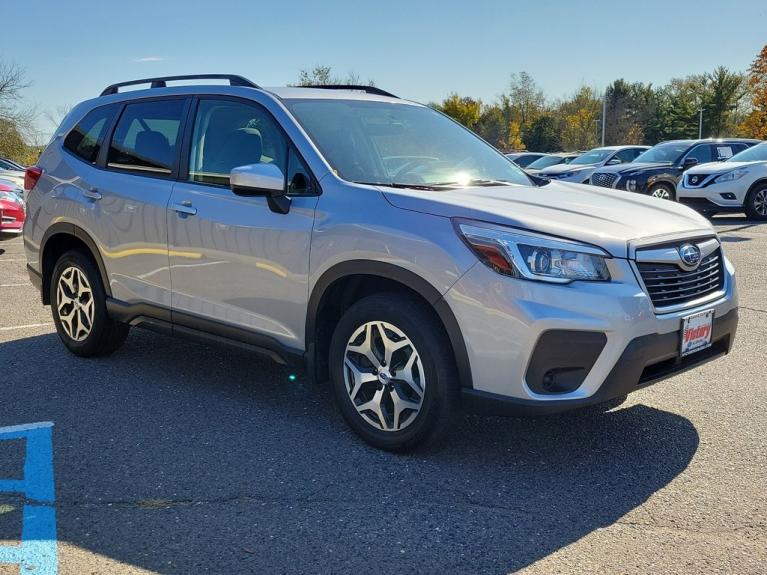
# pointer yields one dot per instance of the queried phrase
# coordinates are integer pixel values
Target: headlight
(566, 175)
(631, 185)
(731, 176)
(531, 256)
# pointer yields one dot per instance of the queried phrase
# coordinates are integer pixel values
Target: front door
(233, 260)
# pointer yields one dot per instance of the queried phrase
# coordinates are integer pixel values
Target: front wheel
(662, 191)
(756, 203)
(393, 372)
(78, 304)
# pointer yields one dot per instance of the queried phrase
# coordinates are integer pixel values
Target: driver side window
(701, 153)
(228, 134)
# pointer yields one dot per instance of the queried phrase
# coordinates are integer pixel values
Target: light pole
(604, 116)
(700, 123)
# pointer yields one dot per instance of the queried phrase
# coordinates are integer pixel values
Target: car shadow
(180, 458)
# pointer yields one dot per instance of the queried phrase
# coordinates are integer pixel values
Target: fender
(404, 277)
(66, 228)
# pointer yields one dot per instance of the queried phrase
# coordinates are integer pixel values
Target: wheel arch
(62, 237)
(760, 182)
(350, 280)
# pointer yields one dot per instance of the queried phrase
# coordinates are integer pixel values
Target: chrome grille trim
(604, 180)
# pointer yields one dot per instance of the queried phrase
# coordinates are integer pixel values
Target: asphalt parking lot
(171, 457)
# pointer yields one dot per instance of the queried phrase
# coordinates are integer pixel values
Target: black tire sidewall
(435, 352)
(101, 321)
(749, 204)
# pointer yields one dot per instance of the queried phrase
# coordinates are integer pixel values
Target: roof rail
(359, 88)
(160, 82)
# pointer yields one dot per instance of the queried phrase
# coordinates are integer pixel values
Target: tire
(756, 203)
(85, 328)
(663, 191)
(390, 424)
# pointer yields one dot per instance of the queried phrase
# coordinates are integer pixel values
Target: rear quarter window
(86, 138)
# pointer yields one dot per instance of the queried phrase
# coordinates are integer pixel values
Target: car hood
(562, 168)
(598, 216)
(719, 167)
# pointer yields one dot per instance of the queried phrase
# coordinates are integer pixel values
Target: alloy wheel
(662, 193)
(760, 202)
(74, 303)
(384, 376)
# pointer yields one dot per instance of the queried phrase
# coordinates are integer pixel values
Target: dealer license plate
(696, 332)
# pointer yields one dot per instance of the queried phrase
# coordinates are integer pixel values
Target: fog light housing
(728, 196)
(631, 185)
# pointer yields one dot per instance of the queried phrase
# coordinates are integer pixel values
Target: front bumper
(646, 360)
(503, 320)
(720, 196)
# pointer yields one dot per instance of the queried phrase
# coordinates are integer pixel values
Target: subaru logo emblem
(690, 256)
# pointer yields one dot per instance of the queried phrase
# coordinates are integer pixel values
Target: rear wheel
(393, 372)
(756, 203)
(662, 191)
(78, 304)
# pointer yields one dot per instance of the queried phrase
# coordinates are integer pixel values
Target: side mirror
(614, 161)
(689, 163)
(261, 180)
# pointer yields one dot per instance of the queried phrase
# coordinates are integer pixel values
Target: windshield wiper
(400, 185)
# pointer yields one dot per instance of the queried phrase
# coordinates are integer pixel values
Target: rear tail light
(31, 176)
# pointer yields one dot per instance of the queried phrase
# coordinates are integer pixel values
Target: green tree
(492, 126)
(543, 135)
(17, 122)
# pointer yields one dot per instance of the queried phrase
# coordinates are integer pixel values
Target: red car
(11, 210)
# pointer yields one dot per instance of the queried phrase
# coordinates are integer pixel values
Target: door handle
(185, 207)
(92, 194)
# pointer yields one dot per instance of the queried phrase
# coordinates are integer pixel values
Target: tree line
(732, 103)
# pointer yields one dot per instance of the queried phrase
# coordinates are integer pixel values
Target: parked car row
(11, 172)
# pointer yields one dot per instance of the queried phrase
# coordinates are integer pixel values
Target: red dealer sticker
(696, 332)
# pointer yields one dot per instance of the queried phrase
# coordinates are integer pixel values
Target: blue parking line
(37, 552)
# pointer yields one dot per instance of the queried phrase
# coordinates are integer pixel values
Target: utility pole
(604, 115)
(700, 123)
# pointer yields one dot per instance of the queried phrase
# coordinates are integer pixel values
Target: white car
(580, 169)
(735, 185)
(12, 172)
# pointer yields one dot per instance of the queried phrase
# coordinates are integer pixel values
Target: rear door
(129, 198)
(237, 266)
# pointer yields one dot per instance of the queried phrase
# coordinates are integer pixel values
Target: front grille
(669, 285)
(695, 180)
(603, 180)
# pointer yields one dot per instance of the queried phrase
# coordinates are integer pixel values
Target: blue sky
(71, 49)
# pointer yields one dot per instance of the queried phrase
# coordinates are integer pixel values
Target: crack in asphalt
(757, 310)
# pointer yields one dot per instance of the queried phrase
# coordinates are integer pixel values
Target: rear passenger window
(146, 137)
(701, 153)
(85, 139)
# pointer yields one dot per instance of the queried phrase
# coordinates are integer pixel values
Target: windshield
(401, 144)
(546, 161)
(756, 154)
(593, 157)
(663, 153)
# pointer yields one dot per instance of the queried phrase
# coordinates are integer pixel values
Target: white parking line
(14, 285)
(16, 260)
(30, 325)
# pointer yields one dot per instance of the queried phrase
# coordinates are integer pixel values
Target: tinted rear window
(85, 139)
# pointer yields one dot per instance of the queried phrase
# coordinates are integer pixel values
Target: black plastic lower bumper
(646, 360)
(706, 206)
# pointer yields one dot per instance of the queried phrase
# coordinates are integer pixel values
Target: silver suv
(374, 241)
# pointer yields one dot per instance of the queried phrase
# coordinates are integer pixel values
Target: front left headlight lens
(731, 176)
(531, 256)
